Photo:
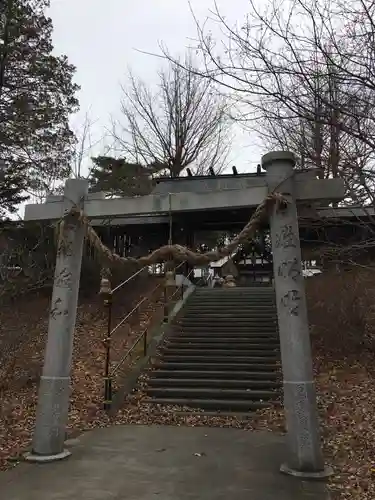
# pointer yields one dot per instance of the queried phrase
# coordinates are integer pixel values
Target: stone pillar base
(323, 474)
(45, 459)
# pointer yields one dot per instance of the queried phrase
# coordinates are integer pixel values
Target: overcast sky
(101, 39)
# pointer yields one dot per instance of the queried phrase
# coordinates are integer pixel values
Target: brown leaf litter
(343, 363)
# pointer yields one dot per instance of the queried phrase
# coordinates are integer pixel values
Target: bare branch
(184, 123)
(301, 74)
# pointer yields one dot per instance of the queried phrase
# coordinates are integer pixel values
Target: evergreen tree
(12, 185)
(37, 95)
(117, 177)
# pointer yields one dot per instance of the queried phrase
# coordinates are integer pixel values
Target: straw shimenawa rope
(176, 253)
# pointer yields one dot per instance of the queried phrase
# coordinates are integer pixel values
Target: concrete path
(166, 463)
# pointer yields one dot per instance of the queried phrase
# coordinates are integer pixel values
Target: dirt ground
(23, 331)
(342, 318)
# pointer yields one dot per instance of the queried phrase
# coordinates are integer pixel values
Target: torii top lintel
(212, 193)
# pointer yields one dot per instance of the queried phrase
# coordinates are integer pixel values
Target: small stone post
(54, 389)
(305, 459)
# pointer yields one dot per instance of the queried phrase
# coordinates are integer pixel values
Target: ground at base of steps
(171, 463)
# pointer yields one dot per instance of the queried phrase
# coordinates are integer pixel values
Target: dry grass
(342, 309)
(342, 318)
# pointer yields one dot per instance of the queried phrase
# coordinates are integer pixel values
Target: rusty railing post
(165, 303)
(105, 290)
(145, 343)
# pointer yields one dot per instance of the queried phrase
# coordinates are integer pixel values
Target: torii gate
(305, 457)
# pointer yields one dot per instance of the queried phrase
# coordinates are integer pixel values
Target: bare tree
(301, 73)
(184, 123)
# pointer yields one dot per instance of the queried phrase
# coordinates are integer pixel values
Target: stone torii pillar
(54, 388)
(54, 392)
(305, 453)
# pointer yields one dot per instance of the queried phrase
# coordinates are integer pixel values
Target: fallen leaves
(346, 404)
(344, 371)
(346, 400)
(22, 342)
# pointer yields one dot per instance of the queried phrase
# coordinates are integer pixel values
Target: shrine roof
(207, 183)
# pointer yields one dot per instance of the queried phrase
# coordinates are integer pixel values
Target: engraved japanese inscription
(64, 279)
(291, 301)
(285, 238)
(289, 269)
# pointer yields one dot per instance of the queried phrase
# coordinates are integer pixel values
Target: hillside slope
(342, 319)
(23, 331)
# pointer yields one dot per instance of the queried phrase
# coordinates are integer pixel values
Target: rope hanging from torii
(176, 253)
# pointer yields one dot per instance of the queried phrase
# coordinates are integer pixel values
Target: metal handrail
(146, 297)
(123, 359)
(109, 373)
(144, 333)
(128, 279)
(182, 284)
(180, 264)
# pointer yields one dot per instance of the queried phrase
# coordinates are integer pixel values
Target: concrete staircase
(222, 354)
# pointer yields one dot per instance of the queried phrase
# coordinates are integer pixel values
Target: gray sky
(101, 39)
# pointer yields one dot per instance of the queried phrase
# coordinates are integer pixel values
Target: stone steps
(235, 337)
(214, 297)
(212, 404)
(227, 321)
(236, 341)
(219, 346)
(222, 355)
(169, 352)
(180, 375)
(230, 313)
(219, 328)
(209, 365)
(232, 293)
(252, 300)
(222, 383)
(211, 392)
(214, 358)
(252, 304)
